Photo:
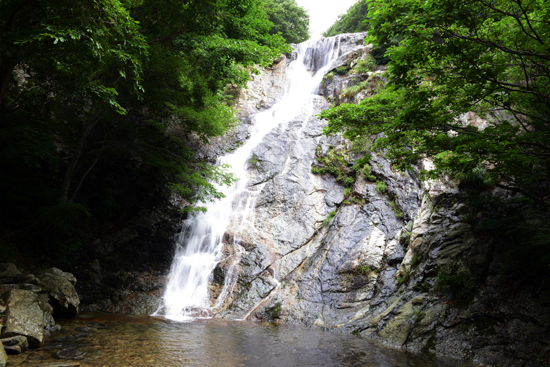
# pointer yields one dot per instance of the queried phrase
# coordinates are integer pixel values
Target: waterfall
(199, 246)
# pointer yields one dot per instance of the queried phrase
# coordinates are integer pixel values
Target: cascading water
(200, 247)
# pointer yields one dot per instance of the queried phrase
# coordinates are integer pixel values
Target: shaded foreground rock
(65, 300)
(15, 345)
(3, 357)
(8, 273)
(24, 317)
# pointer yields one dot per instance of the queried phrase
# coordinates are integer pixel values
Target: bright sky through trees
(323, 13)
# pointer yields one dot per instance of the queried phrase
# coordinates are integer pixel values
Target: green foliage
(289, 19)
(415, 261)
(335, 162)
(364, 270)
(381, 187)
(361, 145)
(404, 278)
(417, 316)
(328, 76)
(405, 239)
(355, 89)
(342, 70)
(451, 64)
(328, 219)
(461, 286)
(365, 65)
(352, 21)
(100, 100)
(347, 192)
(397, 210)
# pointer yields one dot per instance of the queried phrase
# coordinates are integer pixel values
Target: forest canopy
(353, 21)
(98, 99)
(291, 20)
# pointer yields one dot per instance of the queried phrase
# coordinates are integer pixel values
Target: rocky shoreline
(29, 304)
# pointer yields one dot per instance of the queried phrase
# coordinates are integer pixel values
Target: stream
(117, 340)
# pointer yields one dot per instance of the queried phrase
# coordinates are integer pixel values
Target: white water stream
(200, 248)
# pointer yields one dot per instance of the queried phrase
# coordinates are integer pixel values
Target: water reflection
(111, 340)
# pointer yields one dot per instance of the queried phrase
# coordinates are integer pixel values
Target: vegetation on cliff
(97, 99)
(468, 86)
(451, 61)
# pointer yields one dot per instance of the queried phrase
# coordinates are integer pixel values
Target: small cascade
(199, 246)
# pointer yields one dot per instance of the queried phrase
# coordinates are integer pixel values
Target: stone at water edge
(70, 353)
(24, 317)
(8, 273)
(3, 357)
(64, 298)
(16, 344)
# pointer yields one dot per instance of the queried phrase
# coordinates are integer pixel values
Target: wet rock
(60, 364)
(72, 338)
(24, 317)
(86, 329)
(8, 273)
(70, 353)
(398, 329)
(97, 324)
(15, 344)
(64, 298)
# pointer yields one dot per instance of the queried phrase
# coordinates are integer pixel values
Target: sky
(323, 13)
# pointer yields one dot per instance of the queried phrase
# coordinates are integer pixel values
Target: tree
(353, 21)
(98, 98)
(457, 63)
(291, 20)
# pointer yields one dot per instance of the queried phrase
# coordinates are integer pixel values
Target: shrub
(381, 187)
(461, 286)
(327, 220)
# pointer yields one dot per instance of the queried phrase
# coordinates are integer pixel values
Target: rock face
(133, 260)
(376, 258)
(24, 317)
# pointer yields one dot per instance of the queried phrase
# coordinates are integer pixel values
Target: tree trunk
(69, 173)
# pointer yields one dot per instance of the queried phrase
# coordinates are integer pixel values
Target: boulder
(24, 317)
(16, 344)
(49, 322)
(63, 296)
(3, 357)
(8, 273)
(63, 274)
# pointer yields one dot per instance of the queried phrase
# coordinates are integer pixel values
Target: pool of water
(114, 340)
